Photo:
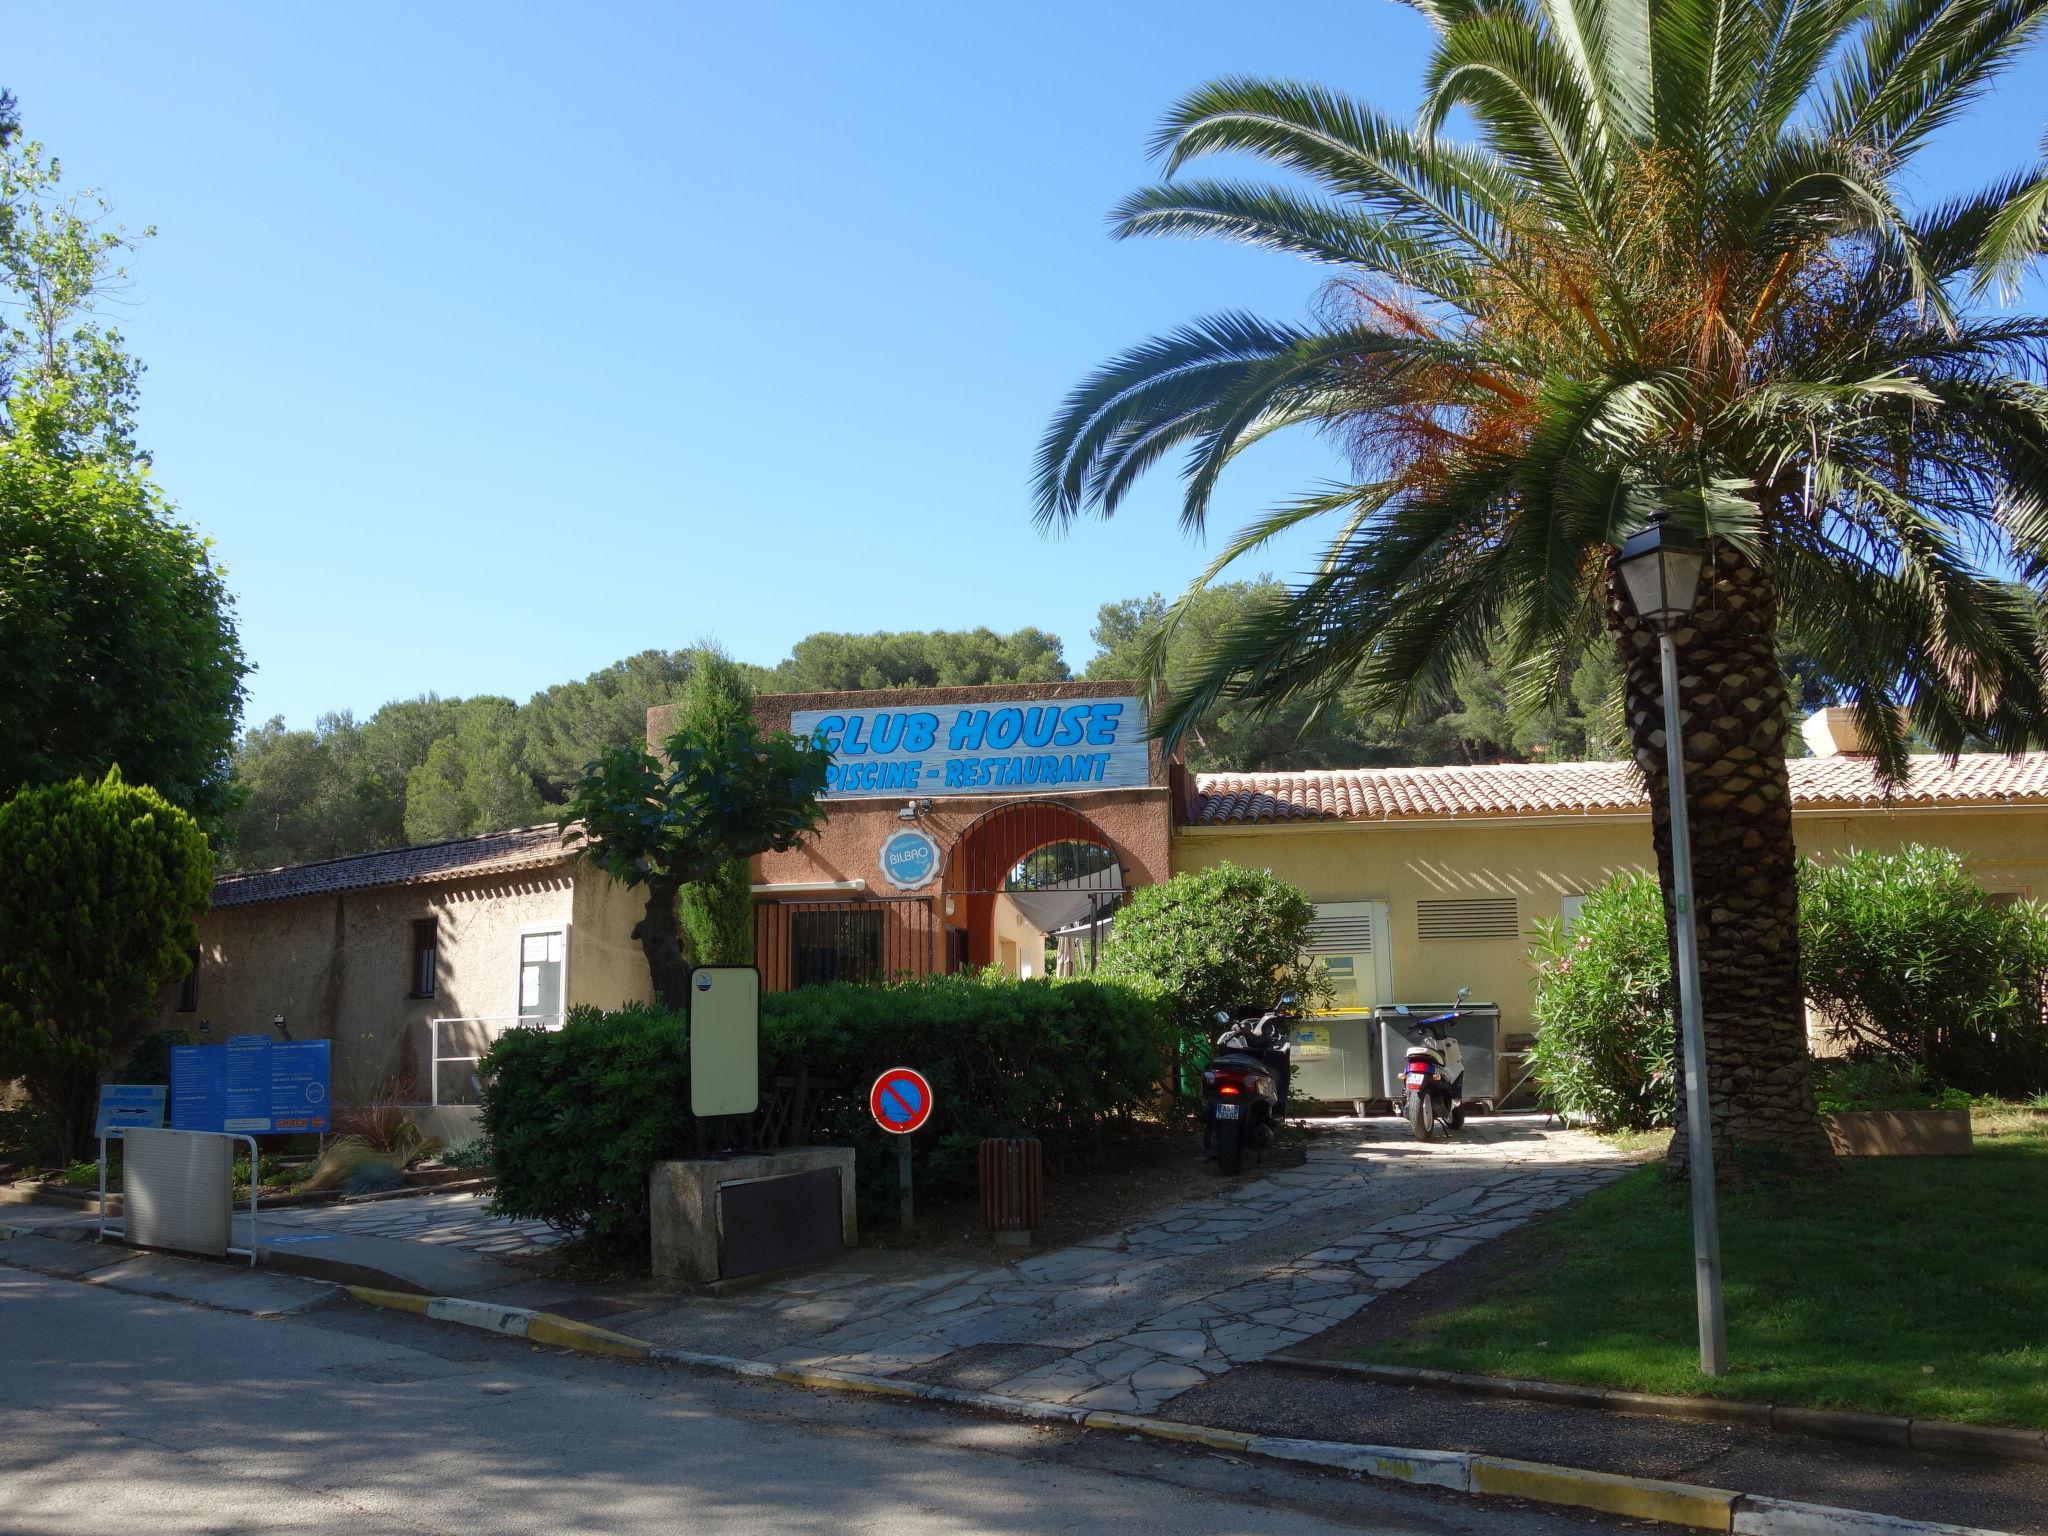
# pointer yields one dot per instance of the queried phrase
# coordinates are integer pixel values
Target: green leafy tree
(1212, 939)
(1231, 737)
(475, 777)
(101, 886)
(1672, 274)
(117, 630)
(304, 795)
(717, 912)
(1910, 962)
(1606, 1041)
(65, 377)
(658, 828)
(572, 724)
(945, 658)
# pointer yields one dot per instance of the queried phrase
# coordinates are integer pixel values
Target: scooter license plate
(1226, 1111)
(1417, 1079)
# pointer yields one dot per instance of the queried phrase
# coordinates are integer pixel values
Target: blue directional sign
(253, 1085)
(129, 1104)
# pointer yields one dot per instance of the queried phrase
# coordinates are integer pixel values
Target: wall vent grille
(1468, 917)
(1338, 931)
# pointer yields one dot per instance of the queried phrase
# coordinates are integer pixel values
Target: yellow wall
(1539, 861)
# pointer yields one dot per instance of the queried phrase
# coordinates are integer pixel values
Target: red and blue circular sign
(900, 1101)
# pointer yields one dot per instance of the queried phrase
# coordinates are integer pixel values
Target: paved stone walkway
(456, 1221)
(1137, 1317)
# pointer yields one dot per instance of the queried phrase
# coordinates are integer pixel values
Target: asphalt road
(120, 1414)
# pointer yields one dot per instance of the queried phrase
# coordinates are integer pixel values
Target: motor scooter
(1244, 1087)
(1433, 1075)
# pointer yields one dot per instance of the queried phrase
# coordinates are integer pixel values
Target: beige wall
(1539, 861)
(607, 968)
(1028, 942)
(338, 967)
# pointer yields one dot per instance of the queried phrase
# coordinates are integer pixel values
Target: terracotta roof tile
(493, 852)
(1583, 789)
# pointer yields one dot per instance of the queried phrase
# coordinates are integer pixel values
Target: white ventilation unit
(1342, 928)
(1468, 917)
(1348, 938)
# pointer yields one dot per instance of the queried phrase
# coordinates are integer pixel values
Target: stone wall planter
(705, 1214)
(1900, 1132)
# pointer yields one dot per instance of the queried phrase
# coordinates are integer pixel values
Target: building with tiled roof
(458, 859)
(1426, 879)
(1594, 789)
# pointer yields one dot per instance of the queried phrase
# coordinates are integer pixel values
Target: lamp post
(1660, 566)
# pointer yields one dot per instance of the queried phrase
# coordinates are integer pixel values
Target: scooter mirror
(1222, 1017)
(1463, 993)
(1287, 1000)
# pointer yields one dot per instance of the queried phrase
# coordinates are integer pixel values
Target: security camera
(909, 811)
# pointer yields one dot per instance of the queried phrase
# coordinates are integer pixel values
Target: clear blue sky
(496, 342)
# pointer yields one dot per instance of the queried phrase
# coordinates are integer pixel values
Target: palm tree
(1669, 277)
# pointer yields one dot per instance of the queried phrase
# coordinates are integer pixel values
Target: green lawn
(1918, 1287)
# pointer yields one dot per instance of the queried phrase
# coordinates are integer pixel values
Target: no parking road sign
(900, 1101)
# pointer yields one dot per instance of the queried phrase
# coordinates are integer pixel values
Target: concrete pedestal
(688, 1214)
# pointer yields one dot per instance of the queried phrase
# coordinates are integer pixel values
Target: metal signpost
(901, 1102)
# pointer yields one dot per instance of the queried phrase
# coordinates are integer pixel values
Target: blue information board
(253, 1086)
(126, 1104)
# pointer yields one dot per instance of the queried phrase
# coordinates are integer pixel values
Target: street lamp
(1660, 566)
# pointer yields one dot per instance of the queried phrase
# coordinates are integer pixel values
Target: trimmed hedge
(575, 1117)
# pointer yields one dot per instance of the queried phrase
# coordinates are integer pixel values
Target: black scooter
(1244, 1087)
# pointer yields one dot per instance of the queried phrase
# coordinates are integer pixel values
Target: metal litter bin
(1334, 1060)
(1477, 1032)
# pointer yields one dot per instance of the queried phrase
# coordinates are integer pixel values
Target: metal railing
(489, 1027)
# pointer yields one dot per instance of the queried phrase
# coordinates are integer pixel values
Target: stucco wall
(338, 967)
(607, 968)
(1540, 862)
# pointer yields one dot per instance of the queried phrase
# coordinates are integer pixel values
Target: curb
(1710, 1509)
(1875, 1429)
(519, 1322)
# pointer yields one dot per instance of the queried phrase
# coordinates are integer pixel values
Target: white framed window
(543, 971)
(1350, 939)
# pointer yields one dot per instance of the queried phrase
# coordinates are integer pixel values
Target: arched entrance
(1031, 867)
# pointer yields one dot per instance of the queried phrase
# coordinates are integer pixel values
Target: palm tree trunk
(1733, 713)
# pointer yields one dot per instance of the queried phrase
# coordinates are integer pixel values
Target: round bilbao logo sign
(909, 860)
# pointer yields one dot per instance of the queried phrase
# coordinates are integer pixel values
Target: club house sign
(975, 749)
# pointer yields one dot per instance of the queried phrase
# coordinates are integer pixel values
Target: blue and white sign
(253, 1085)
(909, 860)
(981, 749)
(123, 1105)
